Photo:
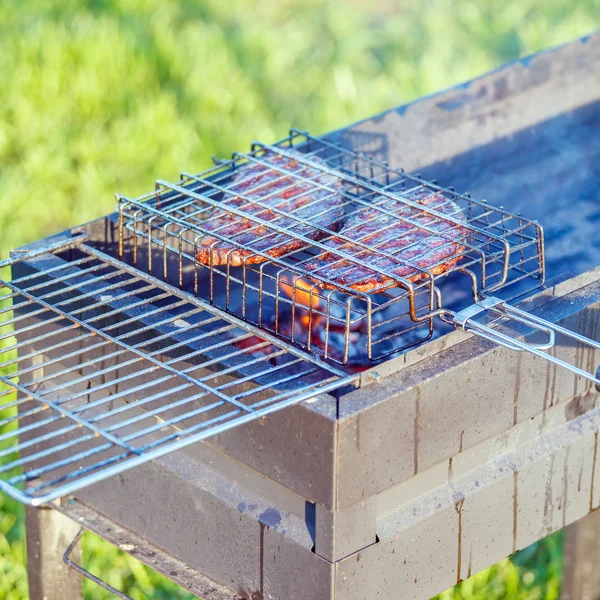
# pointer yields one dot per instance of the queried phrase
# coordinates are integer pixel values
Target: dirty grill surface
(109, 368)
(268, 285)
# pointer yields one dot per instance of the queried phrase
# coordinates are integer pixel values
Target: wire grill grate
(103, 368)
(164, 232)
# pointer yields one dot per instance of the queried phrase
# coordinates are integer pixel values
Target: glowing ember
(253, 344)
(305, 299)
(299, 321)
(303, 322)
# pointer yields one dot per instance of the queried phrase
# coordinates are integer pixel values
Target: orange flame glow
(304, 295)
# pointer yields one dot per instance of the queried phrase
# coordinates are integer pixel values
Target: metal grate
(163, 233)
(103, 368)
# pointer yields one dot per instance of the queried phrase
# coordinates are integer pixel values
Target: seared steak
(399, 243)
(277, 186)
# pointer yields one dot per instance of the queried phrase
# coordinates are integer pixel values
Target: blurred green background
(101, 96)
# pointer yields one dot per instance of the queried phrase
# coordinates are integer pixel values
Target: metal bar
(46, 249)
(76, 567)
(495, 305)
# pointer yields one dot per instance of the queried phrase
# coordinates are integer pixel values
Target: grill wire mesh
(286, 295)
(103, 367)
(107, 363)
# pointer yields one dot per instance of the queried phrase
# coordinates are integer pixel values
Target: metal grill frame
(91, 307)
(501, 249)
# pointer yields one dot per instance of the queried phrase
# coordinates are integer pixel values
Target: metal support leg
(581, 579)
(48, 534)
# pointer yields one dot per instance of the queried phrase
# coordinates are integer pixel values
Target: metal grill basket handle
(464, 320)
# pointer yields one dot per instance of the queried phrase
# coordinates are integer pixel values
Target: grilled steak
(286, 185)
(400, 243)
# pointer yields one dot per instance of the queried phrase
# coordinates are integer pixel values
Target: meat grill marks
(282, 185)
(404, 243)
(302, 201)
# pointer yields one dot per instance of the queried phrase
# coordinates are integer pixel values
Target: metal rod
(28, 253)
(73, 565)
(464, 320)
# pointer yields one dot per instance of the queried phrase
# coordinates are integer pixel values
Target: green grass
(107, 95)
(531, 574)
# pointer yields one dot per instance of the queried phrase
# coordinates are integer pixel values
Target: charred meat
(283, 198)
(392, 236)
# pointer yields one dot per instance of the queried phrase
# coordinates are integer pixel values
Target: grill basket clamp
(500, 249)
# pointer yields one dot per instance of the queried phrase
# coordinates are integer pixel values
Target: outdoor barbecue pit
(122, 347)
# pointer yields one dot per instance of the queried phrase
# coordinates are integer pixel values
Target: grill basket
(162, 233)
